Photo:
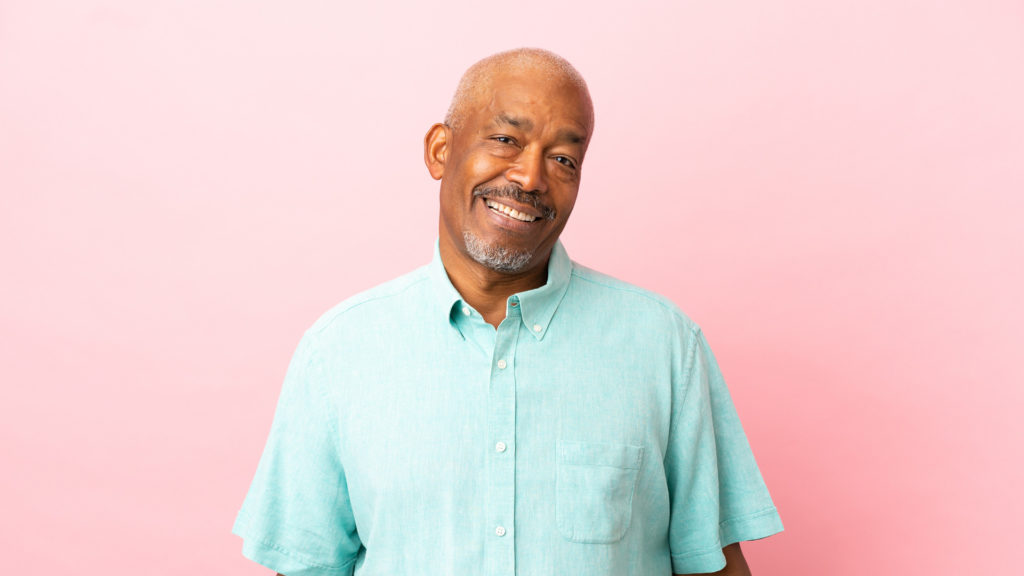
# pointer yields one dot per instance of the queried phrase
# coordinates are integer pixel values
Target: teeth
(509, 211)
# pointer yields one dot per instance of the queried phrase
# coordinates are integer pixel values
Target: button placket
(500, 547)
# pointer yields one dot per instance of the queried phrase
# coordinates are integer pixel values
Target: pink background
(833, 190)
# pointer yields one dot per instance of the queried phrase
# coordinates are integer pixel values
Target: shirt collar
(537, 306)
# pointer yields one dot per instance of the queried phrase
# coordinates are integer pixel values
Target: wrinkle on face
(521, 135)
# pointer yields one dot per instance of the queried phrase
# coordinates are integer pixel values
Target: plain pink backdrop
(833, 190)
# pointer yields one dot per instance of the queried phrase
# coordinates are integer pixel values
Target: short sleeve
(296, 518)
(717, 495)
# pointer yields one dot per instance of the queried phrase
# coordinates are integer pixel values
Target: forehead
(532, 101)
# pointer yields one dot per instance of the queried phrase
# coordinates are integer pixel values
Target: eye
(565, 161)
(504, 139)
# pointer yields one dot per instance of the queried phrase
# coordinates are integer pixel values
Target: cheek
(566, 204)
(451, 202)
(483, 167)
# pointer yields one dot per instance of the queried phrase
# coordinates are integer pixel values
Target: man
(505, 410)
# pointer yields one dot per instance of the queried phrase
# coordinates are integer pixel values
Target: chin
(496, 257)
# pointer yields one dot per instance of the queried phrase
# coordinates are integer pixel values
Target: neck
(487, 290)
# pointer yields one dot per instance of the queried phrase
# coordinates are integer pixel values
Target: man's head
(509, 157)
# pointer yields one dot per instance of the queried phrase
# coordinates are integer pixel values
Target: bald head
(476, 82)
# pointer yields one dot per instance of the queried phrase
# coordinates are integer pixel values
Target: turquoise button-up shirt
(590, 433)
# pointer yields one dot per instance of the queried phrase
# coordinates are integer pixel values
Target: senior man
(504, 410)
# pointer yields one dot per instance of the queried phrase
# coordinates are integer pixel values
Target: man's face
(512, 171)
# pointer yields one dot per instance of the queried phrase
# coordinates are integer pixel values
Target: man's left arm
(716, 492)
(735, 563)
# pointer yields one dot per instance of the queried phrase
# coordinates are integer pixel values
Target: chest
(441, 410)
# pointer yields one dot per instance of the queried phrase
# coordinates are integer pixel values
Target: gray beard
(497, 258)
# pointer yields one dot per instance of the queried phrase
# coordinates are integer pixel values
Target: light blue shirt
(591, 433)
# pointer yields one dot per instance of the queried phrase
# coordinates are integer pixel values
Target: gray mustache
(516, 193)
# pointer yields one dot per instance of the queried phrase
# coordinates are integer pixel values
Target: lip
(508, 222)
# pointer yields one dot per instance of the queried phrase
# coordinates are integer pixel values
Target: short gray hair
(479, 75)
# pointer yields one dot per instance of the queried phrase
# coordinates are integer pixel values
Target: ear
(435, 149)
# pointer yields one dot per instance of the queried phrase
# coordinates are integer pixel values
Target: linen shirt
(590, 433)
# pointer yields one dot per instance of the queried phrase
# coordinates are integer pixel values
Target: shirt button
(500, 530)
(465, 310)
(537, 328)
(502, 364)
(500, 446)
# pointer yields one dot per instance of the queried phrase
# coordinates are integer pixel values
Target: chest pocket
(594, 491)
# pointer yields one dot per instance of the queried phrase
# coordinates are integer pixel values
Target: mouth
(509, 211)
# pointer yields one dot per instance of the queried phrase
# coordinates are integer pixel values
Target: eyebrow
(566, 134)
(571, 136)
(514, 121)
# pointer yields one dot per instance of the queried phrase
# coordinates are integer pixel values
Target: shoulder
(620, 298)
(385, 301)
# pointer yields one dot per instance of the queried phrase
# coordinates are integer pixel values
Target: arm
(735, 563)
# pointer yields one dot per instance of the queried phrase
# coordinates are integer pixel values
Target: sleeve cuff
(699, 562)
(281, 560)
(744, 528)
(750, 527)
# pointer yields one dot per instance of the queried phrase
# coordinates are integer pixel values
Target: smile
(509, 211)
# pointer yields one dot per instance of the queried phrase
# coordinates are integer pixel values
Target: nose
(528, 171)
